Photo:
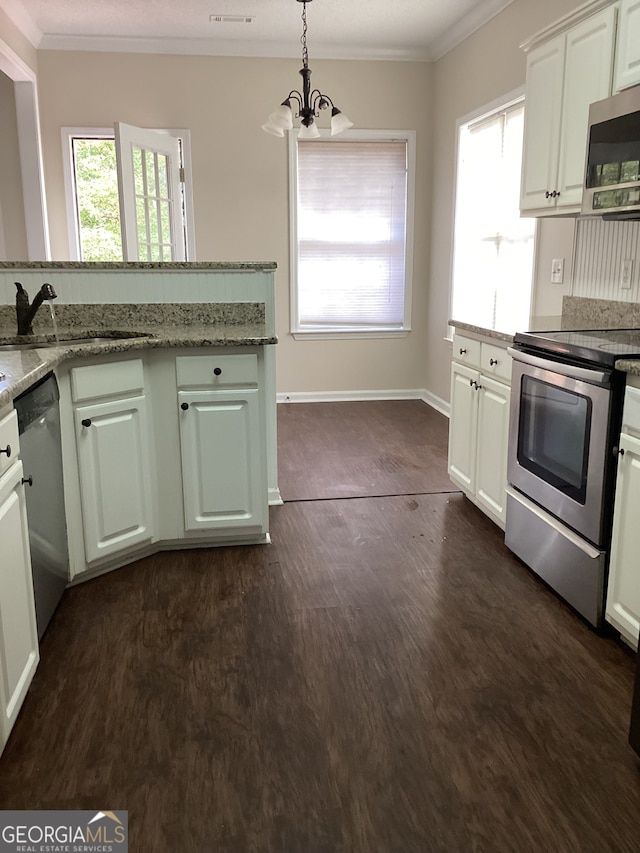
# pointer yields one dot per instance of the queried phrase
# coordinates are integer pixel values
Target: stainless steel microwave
(612, 177)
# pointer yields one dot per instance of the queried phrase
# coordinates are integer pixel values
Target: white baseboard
(275, 499)
(436, 403)
(360, 396)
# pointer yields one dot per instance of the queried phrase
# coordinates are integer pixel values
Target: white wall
(486, 66)
(241, 179)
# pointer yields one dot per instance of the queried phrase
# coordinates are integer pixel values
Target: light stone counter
(148, 326)
(215, 266)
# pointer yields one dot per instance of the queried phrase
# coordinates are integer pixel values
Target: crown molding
(211, 47)
(576, 16)
(466, 26)
(472, 21)
(17, 14)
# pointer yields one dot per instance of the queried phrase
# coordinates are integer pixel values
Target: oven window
(553, 436)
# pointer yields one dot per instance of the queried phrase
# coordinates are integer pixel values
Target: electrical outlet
(557, 271)
(626, 274)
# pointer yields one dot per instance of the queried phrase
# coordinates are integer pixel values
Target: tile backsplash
(601, 248)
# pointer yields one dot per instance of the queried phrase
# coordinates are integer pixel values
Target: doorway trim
(30, 146)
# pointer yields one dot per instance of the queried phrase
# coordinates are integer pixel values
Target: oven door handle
(595, 377)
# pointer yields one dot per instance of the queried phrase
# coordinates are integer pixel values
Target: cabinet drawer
(495, 361)
(216, 371)
(9, 441)
(107, 380)
(466, 350)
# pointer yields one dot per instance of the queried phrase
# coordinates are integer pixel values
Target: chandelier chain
(303, 38)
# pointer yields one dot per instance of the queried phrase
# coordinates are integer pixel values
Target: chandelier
(309, 102)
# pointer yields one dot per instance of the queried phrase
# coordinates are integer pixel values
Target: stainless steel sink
(66, 342)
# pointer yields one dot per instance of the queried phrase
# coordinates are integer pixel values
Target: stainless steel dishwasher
(41, 452)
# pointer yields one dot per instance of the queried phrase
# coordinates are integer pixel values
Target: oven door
(559, 440)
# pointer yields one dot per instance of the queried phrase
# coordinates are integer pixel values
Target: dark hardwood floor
(334, 450)
(384, 678)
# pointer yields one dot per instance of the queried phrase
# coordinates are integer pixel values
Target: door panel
(151, 213)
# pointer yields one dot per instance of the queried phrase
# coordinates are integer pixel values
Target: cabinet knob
(547, 194)
(618, 451)
(463, 351)
(86, 422)
(493, 361)
(27, 481)
(6, 450)
(184, 406)
(471, 383)
(217, 371)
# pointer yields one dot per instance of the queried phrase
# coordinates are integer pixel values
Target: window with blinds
(493, 247)
(350, 243)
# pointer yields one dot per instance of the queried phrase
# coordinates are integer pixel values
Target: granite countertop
(578, 314)
(19, 369)
(138, 265)
(629, 365)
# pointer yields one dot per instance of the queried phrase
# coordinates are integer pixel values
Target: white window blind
(351, 230)
(493, 245)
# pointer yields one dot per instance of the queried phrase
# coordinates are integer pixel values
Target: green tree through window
(98, 209)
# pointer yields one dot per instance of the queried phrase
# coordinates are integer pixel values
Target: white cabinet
(623, 589)
(627, 66)
(222, 443)
(564, 76)
(113, 441)
(18, 630)
(479, 423)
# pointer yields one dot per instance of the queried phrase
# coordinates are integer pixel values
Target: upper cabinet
(565, 74)
(627, 69)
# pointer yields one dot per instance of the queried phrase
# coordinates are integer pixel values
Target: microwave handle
(595, 377)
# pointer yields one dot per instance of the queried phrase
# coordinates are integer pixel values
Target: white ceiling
(357, 29)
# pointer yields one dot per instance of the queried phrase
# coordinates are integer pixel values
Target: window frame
(331, 333)
(502, 103)
(68, 133)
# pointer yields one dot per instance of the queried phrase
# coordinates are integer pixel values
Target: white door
(628, 49)
(491, 453)
(463, 425)
(223, 467)
(115, 476)
(542, 114)
(587, 78)
(149, 186)
(18, 632)
(623, 589)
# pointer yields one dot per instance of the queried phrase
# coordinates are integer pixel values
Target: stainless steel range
(566, 409)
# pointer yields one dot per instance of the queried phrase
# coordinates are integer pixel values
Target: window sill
(348, 334)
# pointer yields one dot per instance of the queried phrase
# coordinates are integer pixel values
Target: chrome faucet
(25, 312)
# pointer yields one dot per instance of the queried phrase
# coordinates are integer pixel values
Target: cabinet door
(18, 631)
(543, 106)
(587, 78)
(627, 72)
(115, 476)
(623, 590)
(491, 451)
(223, 460)
(463, 426)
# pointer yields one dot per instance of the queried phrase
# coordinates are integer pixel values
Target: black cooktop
(596, 346)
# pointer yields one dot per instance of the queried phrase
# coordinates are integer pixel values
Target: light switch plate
(557, 271)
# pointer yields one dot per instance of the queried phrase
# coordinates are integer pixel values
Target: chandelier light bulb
(309, 132)
(339, 122)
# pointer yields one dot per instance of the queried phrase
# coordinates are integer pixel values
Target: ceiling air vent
(231, 19)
